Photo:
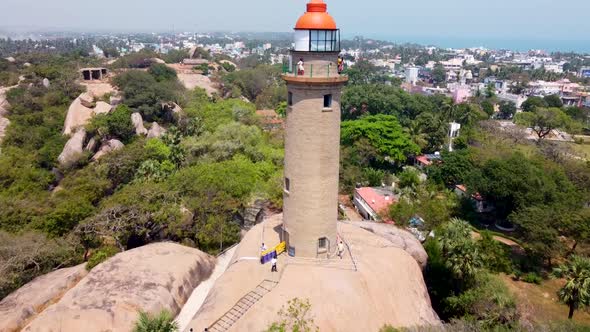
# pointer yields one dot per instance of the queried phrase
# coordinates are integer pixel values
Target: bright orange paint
(316, 17)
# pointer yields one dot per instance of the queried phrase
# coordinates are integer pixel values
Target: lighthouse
(312, 136)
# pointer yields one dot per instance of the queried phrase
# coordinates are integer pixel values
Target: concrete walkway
(195, 301)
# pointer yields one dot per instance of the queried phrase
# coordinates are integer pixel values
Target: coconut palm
(162, 322)
(576, 291)
(414, 130)
(460, 251)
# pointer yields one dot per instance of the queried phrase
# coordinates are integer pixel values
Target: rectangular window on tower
(328, 101)
(322, 243)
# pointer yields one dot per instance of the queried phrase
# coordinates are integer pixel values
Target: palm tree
(162, 322)
(460, 251)
(414, 130)
(576, 291)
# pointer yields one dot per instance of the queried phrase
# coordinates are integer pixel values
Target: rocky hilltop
(150, 278)
(377, 282)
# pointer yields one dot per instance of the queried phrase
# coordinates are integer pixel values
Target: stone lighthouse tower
(312, 137)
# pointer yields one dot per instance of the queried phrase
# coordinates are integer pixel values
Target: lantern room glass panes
(324, 40)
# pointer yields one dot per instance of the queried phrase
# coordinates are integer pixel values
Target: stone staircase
(226, 321)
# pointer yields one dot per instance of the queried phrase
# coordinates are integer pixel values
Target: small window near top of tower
(322, 243)
(287, 184)
(290, 99)
(327, 101)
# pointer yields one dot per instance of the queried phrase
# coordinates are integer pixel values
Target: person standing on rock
(273, 263)
(340, 249)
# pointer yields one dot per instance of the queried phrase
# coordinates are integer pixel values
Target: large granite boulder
(108, 146)
(102, 108)
(137, 121)
(150, 278)
(398, 238)
(375, 283)
(87, 99)
(73, 149)
(19, 307)
(155, 131)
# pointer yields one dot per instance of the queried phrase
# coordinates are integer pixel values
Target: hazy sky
(501, 19)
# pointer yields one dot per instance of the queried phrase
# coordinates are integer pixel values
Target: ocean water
(549, 45)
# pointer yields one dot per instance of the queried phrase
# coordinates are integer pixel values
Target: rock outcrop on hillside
(82, 110)
(155, 131)
(386, 287)
(107, 147)
(150, 278)
(4, 122)
(137, 121)
(73, 148)
(19, 307)
(398, 237)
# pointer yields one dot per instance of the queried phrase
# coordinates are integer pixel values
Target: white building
(453, 133)
(412, 75)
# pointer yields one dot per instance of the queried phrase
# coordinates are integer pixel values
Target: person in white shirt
(273, 263)
(300, 67)
(340, 249)
(263, 247)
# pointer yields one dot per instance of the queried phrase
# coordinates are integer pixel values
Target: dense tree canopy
(383, 133)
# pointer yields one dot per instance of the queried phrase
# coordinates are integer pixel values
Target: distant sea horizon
(520, 44)
(496, 43)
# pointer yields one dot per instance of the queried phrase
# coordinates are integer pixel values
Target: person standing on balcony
(300, 67)
(340, 64)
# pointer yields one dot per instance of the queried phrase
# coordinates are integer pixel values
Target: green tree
(454, 169)
(462, 255)
(408, 178)
(161, 72)
(116, 124)
(363, 72)
(487, 107)
(144, 94)
(543, 120)
(162, 322)
(488, 302)
(383, 133)
(515, 182)
(533, 102)
(295, 317)
(439, 73)
(553, 101)
(576, 291)
(175, 56)
(507, 110)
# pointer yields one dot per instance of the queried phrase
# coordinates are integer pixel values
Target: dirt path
(514, 245)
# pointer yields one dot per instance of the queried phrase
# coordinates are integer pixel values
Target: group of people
(301, 66)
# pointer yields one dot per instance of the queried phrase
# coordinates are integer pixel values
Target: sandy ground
(191, 81)
(194, 302)
(98, 89)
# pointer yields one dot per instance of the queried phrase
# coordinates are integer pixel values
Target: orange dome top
(316, 17)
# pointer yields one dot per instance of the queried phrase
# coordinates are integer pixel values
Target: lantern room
(316, 30)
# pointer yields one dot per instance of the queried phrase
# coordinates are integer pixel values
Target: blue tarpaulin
(266, 258)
